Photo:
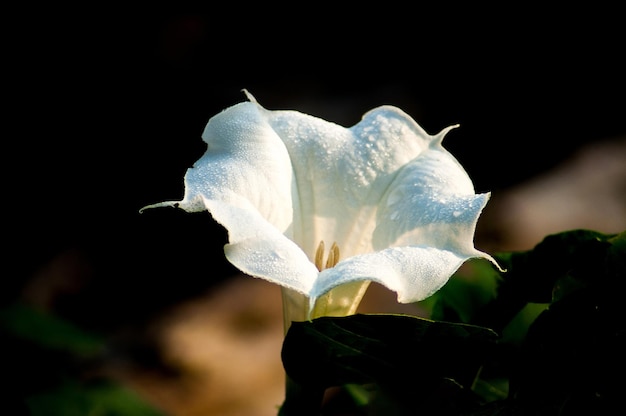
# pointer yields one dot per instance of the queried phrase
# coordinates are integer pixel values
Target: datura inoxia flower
(323, 210)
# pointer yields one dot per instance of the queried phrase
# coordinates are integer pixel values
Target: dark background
(105, 112)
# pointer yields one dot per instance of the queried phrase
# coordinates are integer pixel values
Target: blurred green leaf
(53, 368)
(467, 292)
(94, 399)
(48, 331)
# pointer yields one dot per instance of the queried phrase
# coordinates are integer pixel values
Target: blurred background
(104, 115)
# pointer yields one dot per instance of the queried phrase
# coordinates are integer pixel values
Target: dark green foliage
(436, 357)
(546, 337)
(52, 369)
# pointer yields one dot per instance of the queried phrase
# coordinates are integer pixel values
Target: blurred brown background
(105, 115)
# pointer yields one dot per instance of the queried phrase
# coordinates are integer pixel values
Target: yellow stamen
(333, 256)
(331, 261)
(319, 256)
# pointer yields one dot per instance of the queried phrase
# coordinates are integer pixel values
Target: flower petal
(258, 249)
(245, 180)
(414, 273)
(246, 164)
(343, 173)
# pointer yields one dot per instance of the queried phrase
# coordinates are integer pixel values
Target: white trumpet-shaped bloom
(399, 208)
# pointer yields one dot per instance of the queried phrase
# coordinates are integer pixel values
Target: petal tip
(493, 261)
(249, 96)
(439, 136)
(174, 204)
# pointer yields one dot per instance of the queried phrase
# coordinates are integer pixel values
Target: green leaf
(332, 351)
(566, 254)
(568, 361)
(616, 258)
(560, 264)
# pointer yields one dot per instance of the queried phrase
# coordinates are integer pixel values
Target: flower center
(331, 261)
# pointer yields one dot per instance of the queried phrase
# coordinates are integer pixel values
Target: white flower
(397, 208)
